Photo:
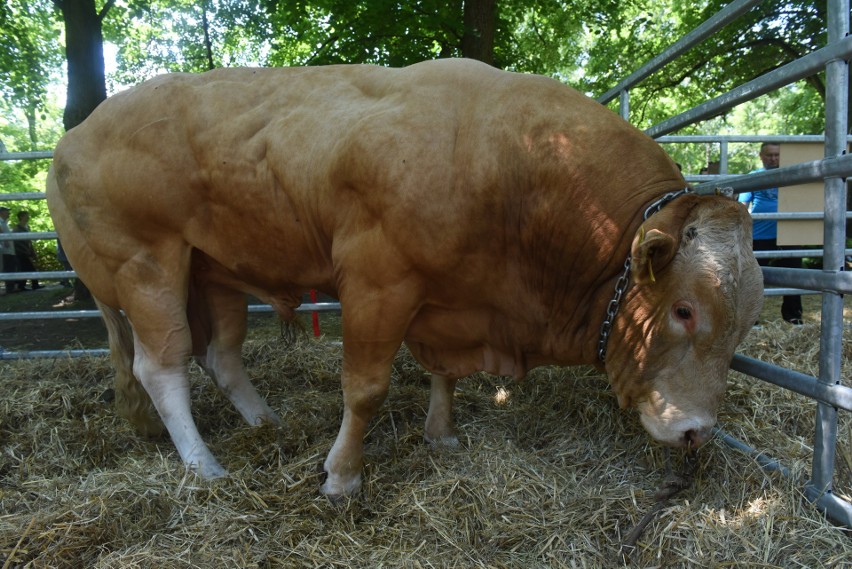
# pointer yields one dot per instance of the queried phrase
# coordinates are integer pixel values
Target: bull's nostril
(694, 438)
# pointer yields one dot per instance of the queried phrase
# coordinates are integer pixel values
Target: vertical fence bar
(723, 157)
(831, 329)
(624, 104)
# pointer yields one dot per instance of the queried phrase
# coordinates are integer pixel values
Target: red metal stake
(315, 314)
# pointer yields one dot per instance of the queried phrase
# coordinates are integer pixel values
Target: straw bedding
(549, 473)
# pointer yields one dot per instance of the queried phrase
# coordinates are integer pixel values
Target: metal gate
(832, 282)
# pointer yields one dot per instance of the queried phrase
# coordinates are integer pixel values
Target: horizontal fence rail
(74, 314)
(800, 69)
(722, 18)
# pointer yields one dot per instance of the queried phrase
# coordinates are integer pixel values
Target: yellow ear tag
(642, 240)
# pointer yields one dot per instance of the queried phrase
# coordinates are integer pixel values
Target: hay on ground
(549, 473)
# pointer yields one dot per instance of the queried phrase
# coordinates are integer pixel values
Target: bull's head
(696, 292)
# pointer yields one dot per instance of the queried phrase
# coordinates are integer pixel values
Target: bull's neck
(584, 299)
(623, 281)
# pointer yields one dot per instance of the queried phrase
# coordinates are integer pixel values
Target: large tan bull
(482, 217)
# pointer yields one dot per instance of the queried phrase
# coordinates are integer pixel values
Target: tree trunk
(479, 23)
(84, 51)
(32, 128)
(208, 44)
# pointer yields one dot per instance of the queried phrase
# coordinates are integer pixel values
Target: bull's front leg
(374, 324)
(366, 380)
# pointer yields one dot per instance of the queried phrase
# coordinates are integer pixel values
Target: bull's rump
(285, 179)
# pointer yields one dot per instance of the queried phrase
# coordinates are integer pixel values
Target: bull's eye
(684, 314)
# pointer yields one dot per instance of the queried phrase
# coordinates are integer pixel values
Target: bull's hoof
(446, 441)
(269, 418)
(210, 471)
(338, 488)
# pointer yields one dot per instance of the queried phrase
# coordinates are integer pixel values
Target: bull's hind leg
(223, 358)
(131, 400)
(440, 429)
(153, 295)
(168, 386)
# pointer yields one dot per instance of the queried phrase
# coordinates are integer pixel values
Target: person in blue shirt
(765, 231)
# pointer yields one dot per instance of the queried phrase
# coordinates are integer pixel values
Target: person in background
(7, 250)
(25, 252)
(765, 231)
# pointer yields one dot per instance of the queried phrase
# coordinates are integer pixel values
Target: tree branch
(814, 80)
(330, 40)
(102, 14)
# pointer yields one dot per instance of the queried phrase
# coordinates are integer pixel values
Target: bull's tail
(131, 400)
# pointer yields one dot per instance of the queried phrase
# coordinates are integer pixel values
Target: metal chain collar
(624, 280)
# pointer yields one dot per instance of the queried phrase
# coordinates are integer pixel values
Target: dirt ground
(52, 334)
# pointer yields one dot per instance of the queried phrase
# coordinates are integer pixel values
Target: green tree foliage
(774, 33)
(589, 44)
(28, 60)
(168, 35)
(767, 37)
(158, 36)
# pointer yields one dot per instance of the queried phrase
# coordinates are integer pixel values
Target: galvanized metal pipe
(834, 237)
(723, 157)
(836, 508)
(743, 138)
(66, 314)
(766, 462)
(794, 215)
(40, 275)
(35, 354)
(35, 155)
(22, 196)
(806, 66)
(835, 395)
(716, 22)
(790, 253)
(49, 315)
(788, 292)
(624, 104)
(806, 172)
(823, 281)
(28, 236)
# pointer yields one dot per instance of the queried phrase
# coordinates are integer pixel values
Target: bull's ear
(652, 251)
(658, 239)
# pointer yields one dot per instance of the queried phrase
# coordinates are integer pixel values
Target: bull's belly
(457, 343)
